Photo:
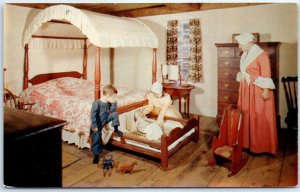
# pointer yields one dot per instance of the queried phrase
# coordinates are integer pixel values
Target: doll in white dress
(147, 126)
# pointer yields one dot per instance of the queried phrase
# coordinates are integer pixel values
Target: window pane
(184, 47)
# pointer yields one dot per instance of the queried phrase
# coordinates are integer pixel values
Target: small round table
(180, 91)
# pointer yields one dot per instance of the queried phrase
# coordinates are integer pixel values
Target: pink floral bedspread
(71, 99)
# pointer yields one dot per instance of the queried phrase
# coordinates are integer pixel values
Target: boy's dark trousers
(96, 141)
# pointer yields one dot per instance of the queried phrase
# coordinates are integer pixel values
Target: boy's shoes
(96, 159)
(119, 133)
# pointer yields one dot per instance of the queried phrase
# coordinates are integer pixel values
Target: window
(183, 58)
(184, 48)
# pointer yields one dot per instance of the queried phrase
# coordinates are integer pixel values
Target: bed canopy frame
(102, 31)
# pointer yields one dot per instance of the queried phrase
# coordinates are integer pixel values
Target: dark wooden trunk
(32, 149)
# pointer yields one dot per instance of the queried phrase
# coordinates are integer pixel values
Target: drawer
(228, 97)
(229, 62)
(226, 52)
(228, 85)
(227, 73)
(238, 52)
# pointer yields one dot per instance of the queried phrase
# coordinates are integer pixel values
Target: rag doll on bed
(149, 127)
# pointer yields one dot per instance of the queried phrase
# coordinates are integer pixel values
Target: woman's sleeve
(239, 76)
(264, 80)
(150, 106)
(167, 102)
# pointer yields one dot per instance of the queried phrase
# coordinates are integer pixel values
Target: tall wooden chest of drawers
(229, 55)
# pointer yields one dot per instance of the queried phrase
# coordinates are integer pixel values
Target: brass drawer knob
(226, 63)
(226, 73)
(226, 85)
(226, 97)
(226, 53)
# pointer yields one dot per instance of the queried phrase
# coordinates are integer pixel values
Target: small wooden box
(256, 37)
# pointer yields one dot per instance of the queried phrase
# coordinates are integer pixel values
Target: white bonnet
(157, 88)
(244, 38)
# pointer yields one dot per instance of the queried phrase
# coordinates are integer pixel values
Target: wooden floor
(187, 167)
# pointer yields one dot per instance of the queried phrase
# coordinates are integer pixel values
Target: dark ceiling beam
(34, 5)
(161, 9)
(116, 7)
(209, 6)
(182, 7)
(141, 9)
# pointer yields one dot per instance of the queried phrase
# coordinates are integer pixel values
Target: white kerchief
(244, 38)
(157, 88)
(246, 59)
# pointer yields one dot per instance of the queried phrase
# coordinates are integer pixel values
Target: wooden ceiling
(141, 9)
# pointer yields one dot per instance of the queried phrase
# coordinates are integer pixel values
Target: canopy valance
(101, 30)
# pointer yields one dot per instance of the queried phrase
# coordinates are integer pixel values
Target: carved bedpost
(84, 73)
(97, 74)
(154, 65)
(112, 63)
(26, 67)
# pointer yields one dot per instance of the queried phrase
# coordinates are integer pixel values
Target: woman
(160, 104)
(256, 97)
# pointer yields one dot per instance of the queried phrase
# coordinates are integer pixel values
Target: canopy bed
(69, 95)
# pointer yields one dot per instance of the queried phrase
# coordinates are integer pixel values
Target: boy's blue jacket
(100, 112)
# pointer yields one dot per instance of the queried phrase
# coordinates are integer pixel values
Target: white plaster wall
(133, 67)
(275, 22)
(14, 22)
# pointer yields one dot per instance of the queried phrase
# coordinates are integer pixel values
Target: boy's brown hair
(109, 90)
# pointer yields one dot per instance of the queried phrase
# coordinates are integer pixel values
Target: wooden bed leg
(164, 153)
(197, 130)
(164, 163)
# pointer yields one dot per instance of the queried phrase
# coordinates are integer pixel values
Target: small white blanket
(106, 133)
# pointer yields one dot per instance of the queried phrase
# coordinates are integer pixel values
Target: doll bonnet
(157, 88)
(244, 38)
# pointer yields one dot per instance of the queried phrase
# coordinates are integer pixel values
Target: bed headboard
(48, 76)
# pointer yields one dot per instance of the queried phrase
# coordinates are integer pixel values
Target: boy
(103, 112)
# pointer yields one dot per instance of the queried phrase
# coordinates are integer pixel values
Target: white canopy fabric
(101, 30)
